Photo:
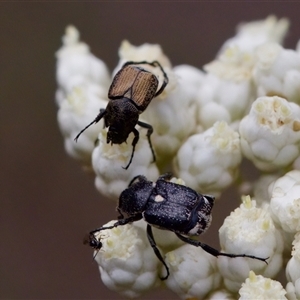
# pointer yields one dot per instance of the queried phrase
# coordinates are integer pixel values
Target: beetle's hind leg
(216, 252)
(156, 251)
(149, 132)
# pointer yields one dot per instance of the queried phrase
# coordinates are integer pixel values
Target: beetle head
(116, 136)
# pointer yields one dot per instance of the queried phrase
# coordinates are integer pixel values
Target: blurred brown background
(47, 202)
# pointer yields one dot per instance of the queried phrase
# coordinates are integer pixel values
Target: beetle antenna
(96, 120)
(216, 252)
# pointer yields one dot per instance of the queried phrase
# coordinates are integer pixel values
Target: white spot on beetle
(159, 198)
(195, 230)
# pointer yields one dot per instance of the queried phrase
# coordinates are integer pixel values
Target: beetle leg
(134, 142)
(216, 252)
(156, 251)
(121, 222)
(166, 176)
(149, 132)
(139, 177)
(121, 216)
(96, 120)
(166, 79)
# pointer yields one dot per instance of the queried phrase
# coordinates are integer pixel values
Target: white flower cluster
(243, 105)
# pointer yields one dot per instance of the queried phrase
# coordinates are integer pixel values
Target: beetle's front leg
(149, 132)
(121, 222)
(139, 177)
(134, 142)
(156, 251)
(216, 252)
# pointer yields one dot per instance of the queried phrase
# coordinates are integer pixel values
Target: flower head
(285, 201)
(270, 133)
(259, 287)
(109, 161)
(208, 162)
(193, 272)
(126, 262)
(249, 228)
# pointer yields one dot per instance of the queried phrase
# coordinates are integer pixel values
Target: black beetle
(131, 91)
(168, 206)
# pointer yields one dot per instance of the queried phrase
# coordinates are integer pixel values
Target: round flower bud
(285, 201)
(252, 34)
(220, 295)
(193, 272)
(249, 230)
(75, 59)
(173, 117)
(293, 270)
(226, 91)
(83, 82)
(78, 109)
(109, 162)
(277, 72)
(208, 162)
(259, 287)
(126, 261)
(270, 133)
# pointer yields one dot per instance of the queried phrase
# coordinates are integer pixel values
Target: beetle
(168, 206)
(131, 91)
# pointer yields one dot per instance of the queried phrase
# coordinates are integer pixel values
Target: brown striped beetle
(131, 91)
(168, 206)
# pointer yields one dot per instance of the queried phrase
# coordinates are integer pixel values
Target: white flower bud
(220, 295)
(208, 162)
(285, 201)
(291, 291)
(293, 270)
(249, 230)
(277, 72)
(173, 118)
(74, 59)
(226, 91)
(109, 162)
(270, 133)
(78, 109)
(193, 272)
(252, 34)
(260, 189)
(148, 52)
(259, 287)
(126, 261)
(83, 82)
